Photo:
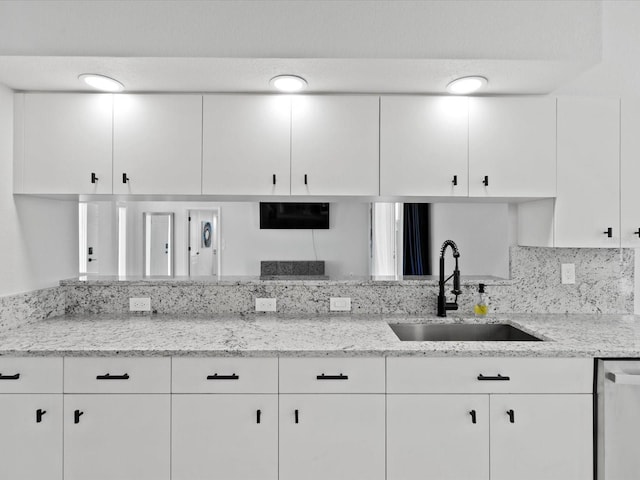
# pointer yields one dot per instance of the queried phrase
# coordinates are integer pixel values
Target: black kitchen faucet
(443, 305)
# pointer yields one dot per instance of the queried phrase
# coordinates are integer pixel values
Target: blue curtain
(417, 260)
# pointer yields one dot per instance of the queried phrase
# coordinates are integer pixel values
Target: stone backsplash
(23, 308)
(604, 284)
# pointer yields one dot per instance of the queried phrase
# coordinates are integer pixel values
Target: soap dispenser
(481, 308)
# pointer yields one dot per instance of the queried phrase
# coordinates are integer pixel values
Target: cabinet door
(31, 443)
(630, 173)
(157, 143)
(246, 145)
(334, 145)
(549, 437)
(341, 437)
(231, 437)
(434, 436)
(588, 201)
(66, 138)
(512, 143)
(424, 146)
(124, 437)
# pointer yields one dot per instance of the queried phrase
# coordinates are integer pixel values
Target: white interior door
(438, 436)
(230, 437)
(203, 242)
(337, 437)
(31, 437)
(123, 437)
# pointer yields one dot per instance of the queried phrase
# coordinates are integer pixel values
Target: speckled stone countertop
(577, 335)
(106, 280)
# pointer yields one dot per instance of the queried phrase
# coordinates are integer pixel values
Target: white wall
(344, 247)
(482, 231)
(38, 237)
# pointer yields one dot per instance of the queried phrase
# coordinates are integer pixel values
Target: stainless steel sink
(460, 332)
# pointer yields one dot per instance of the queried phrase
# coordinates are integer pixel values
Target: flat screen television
(294, 215)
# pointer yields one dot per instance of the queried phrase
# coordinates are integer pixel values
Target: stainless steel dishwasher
(618, 420)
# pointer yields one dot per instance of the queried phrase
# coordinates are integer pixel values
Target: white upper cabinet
(63, 143)
(157, 144)
(424, 146)
(512, 147)
(588, 202)
(246, 145)
(630, 173)
(334, 145)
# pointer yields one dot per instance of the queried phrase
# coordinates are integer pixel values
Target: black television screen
(294, 215)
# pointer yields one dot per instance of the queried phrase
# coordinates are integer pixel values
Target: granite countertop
(576, 335)
(108, 280)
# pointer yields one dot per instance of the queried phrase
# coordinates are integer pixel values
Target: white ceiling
(338, 46)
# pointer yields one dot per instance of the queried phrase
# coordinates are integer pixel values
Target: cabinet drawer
(117, 375)
(332, 375)
(30, 375)
(489, 375)
(225, 375)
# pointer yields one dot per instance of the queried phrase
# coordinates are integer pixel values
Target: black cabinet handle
(473, 416)
(215, 376)
(332, 377)
(295, 413)
(125, 179)
(455, 180)
(10, 377)
(274, 178)
(485, 181)
(497, 377)
(637, 232)
(39, 414)
(258, 413)
(305, 178)
(511, 414)
(94, 179)
(76, 416)
(108, 376)
(609, 232)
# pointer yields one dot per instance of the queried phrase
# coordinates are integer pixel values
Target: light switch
(568, 273)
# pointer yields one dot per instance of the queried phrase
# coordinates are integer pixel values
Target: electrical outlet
(140, 304)
(568, 273)
(265, 304)
(340, 304)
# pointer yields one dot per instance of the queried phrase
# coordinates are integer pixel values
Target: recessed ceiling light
(464, 85)
(289, 83)
(101, 82)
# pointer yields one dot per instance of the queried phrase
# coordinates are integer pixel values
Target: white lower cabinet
(332, 436)
(117, 437)
(438, 436)
(221, 436)
(31, 437)
(537, 437)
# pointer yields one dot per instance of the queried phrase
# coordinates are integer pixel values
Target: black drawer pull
(473, 416)
(512, 416)
(39, 414)
(296, 415)
(455, 180)
(108, 376)
(485, 181)
(305, 179)
(215, 376)
(274, 178)
(258, 413)
(609, 232)
(125, 179)
(10, 377)
(76, 416)
(332, 377)
(497, 377)
(94, 179)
